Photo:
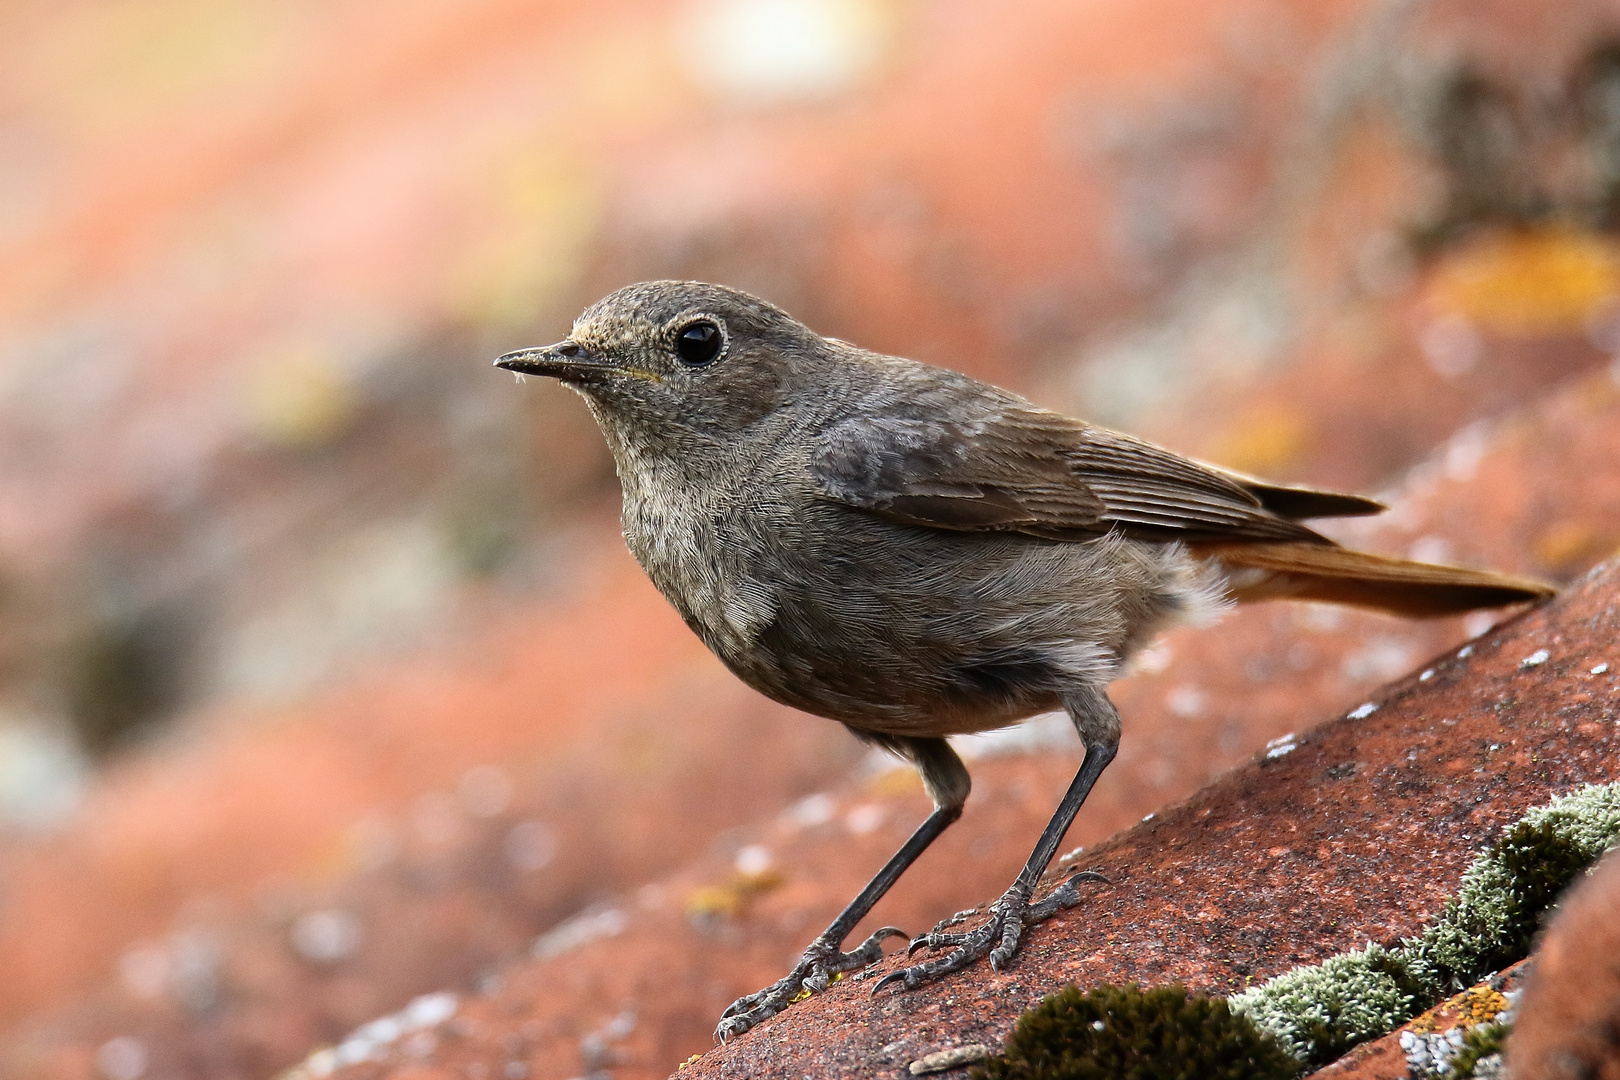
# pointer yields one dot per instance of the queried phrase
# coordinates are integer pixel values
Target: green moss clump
(1507, 890)
(1481, 1042)
(1319, 1011)
(1543, 861)
(1127, 1033)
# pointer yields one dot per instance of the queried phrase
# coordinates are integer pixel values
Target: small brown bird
(918, 554)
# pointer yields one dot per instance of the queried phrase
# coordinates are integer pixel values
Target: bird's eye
(699, 343)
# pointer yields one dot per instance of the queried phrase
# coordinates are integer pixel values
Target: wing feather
(999, 465)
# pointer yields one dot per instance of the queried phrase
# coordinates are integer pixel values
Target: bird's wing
(1295, 503)
(1021, 469)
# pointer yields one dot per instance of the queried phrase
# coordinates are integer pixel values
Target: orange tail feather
(1338, 575)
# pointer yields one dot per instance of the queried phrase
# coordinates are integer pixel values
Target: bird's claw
(811, 975)
(937, 938)
(1087, 875)
(1062, 898)
(998, 936)
(953, 920)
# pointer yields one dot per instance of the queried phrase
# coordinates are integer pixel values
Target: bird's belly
(907, 630)
(924, 632)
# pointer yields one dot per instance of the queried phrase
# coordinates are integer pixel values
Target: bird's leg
(946, 779)
(825, 958)
(1098, 722)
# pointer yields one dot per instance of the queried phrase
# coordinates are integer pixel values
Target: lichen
(1470, 1047)
(1498, 907)
(1321, 1010)
(1127, 1033)
(1479, 1044)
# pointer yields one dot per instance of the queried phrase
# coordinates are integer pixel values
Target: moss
(1504, 894)
(1127, 1033)
(1542, 861)
(1446, 954)
(1312, 1015)
(1481, 1042)
(123, 675)
(1321, 1010)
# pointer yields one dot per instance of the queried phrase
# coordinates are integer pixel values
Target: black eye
(699, 343)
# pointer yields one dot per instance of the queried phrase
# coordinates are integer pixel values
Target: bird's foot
(998, 936)
(811, 975)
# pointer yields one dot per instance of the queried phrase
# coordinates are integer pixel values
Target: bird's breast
(703, 552)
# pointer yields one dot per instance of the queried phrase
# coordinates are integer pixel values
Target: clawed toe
(955, 920)
(917, 974)
(820, 965)
(1062, 898)
(1086, 875)
(966, 948)
(997, 937)
(742, 1004)
(935, 940)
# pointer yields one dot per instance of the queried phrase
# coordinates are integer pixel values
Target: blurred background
(324, 679)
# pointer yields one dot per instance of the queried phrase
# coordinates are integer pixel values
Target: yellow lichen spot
(806, 992)
(689, 1061)
(1479, 1005)
(1528, 283)
(898, 781)
(712, 902)
(1264, 440)
(730, 899)
(1476, 1005)
(539, 214)
(1567, 546)
(298, 395)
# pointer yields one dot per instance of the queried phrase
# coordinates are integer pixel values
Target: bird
(917, 554)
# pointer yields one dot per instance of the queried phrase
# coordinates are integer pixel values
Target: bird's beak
(566, 360)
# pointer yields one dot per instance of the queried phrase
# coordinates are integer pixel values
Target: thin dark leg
(1098, 723)
(946, 780)
(934, 824)
(1096, 760)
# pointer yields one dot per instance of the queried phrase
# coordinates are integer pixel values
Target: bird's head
(670, 361)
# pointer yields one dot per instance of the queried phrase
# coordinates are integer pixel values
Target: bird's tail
(1338, 575)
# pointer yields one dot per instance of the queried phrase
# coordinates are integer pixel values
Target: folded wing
(1020, 469)
(1011, 467)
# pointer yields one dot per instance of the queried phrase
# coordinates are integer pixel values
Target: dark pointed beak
(566, 360)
